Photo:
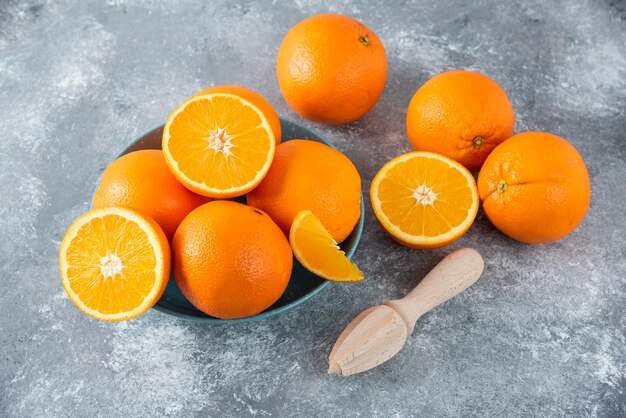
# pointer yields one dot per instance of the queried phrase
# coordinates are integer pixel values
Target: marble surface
(542, 333)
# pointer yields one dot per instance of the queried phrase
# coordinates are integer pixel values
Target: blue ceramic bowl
(303, 285)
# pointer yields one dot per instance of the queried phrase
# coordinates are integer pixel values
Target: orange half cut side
(424, 200)
(115, 263)
(218, 144)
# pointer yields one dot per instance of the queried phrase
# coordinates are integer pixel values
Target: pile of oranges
(162, 211)
(165, 211)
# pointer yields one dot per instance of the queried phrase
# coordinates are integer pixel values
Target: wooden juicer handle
(455, 273)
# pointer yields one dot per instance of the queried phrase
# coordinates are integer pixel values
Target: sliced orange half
(218, 144)
(318, 252)
(424, 200)
(115, 263)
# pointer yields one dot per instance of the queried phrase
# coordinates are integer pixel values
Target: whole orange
(461, 114)
(231, 260)
(254, 98)
(534, 187)
(142, 181)
(310, 175)
(331, 68)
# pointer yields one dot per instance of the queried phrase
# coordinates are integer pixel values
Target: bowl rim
(267, 313)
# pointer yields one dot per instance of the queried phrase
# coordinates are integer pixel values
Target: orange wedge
(424, 200)
(115, 263)
(318, 252)
(218, 144)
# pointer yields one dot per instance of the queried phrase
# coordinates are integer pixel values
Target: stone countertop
(542, 333)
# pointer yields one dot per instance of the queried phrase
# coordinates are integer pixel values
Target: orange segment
(115, 263)
(318, 252)
(218, 145)
(424, 200)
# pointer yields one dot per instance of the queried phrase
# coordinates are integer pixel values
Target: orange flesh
(318, 252)
(111, 266)
(428, 179)
(219, 142)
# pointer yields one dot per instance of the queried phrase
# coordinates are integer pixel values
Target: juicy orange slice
(115, 263)
(218, 144)
(318, 252)
(424, 200)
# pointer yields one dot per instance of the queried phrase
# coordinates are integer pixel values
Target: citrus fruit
(254, 98)
(318, 252)
(460, 114)
(231, 260)
(115, 263)
(310, 175)
(142, 181)
(535, 187)
(331, 68)
(424, 200)
(218, 144)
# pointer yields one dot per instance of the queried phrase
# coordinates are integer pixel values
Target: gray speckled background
(543, 332)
